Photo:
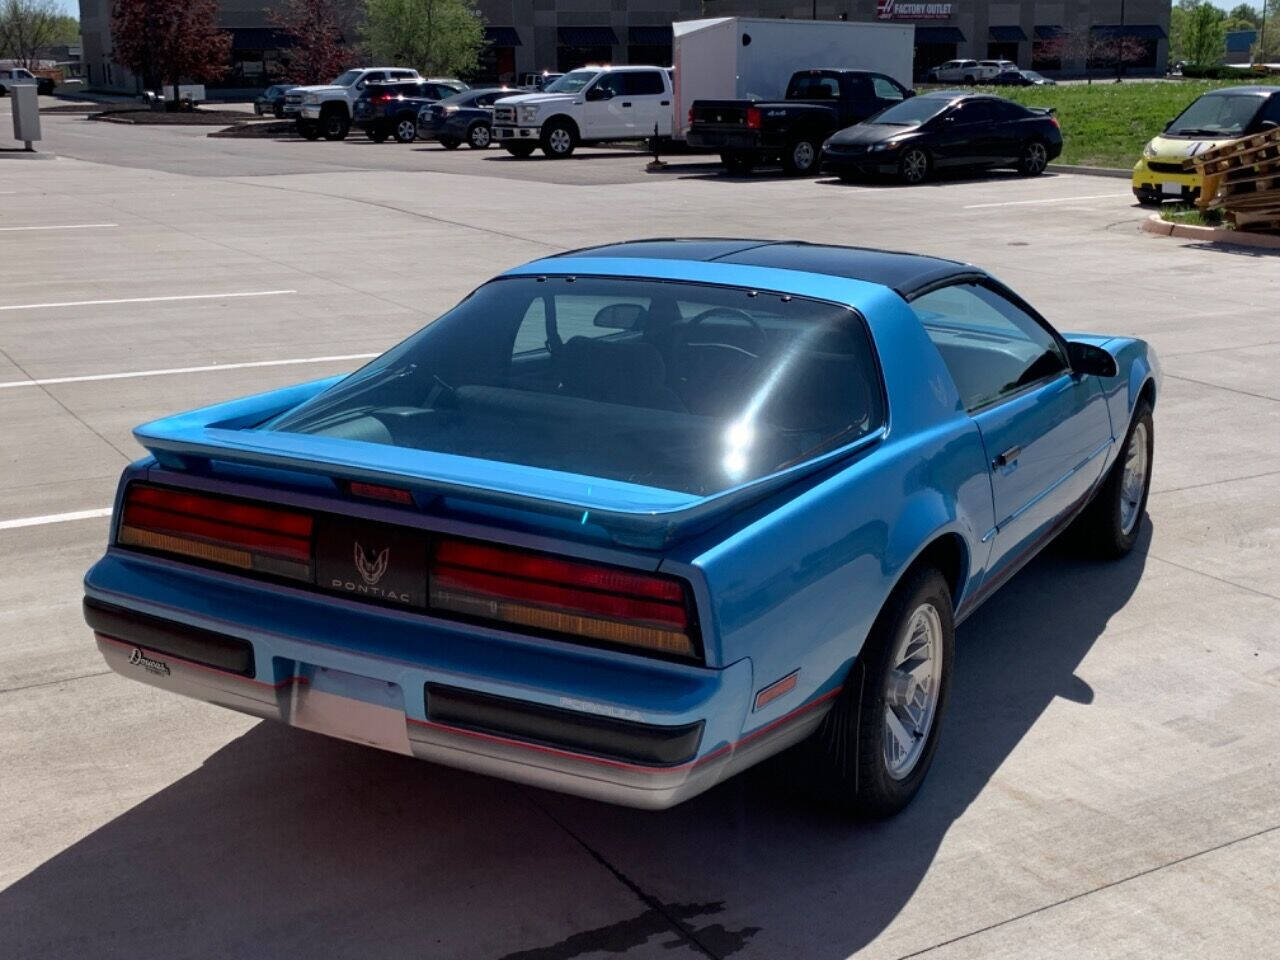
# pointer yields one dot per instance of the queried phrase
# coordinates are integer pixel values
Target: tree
(1245, 14)
(436, 36)
(169, 41)
(1204, 37)
(25, 27)
(320, 50)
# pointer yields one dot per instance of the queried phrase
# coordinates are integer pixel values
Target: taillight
(563, 596)
(753, 118)
(234, 533)
(691, 116)
(1054, 121)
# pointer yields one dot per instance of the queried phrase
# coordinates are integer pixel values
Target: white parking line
(1021, 203)
(54, 518)
(88, 378)
(63, 226)
(189, 296)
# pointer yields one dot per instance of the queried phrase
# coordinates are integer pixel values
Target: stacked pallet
(1242, 178)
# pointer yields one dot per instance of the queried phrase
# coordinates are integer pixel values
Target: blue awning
(1241, 41)
(586, 36)
(1137, 31)
(649, 36)
(1012, 34)
(1049, 32)
(938, 35)
(502, 36)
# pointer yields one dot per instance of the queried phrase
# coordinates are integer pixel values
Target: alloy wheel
(912, 689)
(480, 136)
(803, 155)
(1035, 159)
(1134, 481)
(406, 130)
(560, 141)
(914, 166)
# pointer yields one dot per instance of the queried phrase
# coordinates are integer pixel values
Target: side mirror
(361, 85)
(1087, 359)
(599, 93)
(909, 94)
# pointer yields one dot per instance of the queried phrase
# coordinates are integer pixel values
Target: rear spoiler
(627, 514)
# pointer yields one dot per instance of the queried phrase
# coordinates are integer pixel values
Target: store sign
(905, 10)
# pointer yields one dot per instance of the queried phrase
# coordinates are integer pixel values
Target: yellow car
(1213, 119)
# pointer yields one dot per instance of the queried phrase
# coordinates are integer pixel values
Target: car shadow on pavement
(283, 842)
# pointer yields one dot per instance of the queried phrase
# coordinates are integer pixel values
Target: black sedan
(272, 100)
(941, 130)
(1021, 78)
(464, 118)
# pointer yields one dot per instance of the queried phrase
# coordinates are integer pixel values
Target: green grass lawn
(1105, 124)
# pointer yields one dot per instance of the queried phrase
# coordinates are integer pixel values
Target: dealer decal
(138, 659)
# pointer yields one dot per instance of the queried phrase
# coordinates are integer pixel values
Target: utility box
(749, 58)
(26, 113)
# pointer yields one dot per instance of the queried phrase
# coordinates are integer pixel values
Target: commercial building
(1059, 36)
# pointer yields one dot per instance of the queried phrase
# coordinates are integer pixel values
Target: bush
(1218, 72)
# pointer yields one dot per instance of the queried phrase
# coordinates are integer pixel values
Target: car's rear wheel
(406, 130)
(737, 164)
(478, 137)
(874, 748)
(1110, 525)
(559, 140)
(450, 143)
(519, 150)
(376, 134)
(913, 166)
(801, 156)
(1034, 159)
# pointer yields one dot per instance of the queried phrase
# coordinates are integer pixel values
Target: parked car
(1021, 78)
(466, 117)
(955, 71)
(326, 110)
(272, 100)
(13, 75)
(424, 556)
(1211, 120)
(391, 109)
(817, 103)
(988, 70)
(538, 81)
(590, 105)
(945, 129)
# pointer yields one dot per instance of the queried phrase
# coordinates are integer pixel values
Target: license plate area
(1171, 188)
(372, 561)
(350, 707)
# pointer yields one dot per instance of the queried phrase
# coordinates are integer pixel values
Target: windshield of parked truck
(1217, 115)
(346, 79)
(911, 113)
(668, 384)
(572, 82)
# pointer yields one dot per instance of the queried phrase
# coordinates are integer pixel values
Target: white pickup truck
(589, 105)
(970, 71)
(326, 110)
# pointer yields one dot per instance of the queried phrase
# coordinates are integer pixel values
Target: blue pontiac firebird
(628, 520)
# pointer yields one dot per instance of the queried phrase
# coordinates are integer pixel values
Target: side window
(886, 89)
(488, 99)
(975, 111)
(991, 346)
(611, 82)
(642, 83)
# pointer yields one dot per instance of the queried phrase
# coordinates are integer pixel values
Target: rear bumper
(586, 723)
(725, 140)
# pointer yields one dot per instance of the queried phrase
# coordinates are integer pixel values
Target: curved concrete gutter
(1186, 231)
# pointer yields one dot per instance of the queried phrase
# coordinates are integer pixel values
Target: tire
(1110, 525)
(334, 125)
(522, 151)
(969, 79)
(559, 139)
(450, 143)
(737, 164)
(913, 166)
(860, 764)
(376, 134)
(406, 130)
(1147, 198)
(802, 156)
(1034, 159)
(308, 130)
(479, 136)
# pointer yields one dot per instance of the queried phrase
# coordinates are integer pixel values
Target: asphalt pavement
(1107, 784)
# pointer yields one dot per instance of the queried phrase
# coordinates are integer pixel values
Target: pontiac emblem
(371, 573)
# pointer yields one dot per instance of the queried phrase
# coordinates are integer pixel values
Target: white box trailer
(739, 58)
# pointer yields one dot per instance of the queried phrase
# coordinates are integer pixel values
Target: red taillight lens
(383, 98)
(753, 118)
(234, 533)
(564, 596)
(691, 116)
(1054, 121)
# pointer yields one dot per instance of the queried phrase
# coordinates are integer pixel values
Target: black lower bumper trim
(573, 730)
(168, 636)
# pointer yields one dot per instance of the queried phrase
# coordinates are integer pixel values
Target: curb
(1186, 231)
(1090, 171)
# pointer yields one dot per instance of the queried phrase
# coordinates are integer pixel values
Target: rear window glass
(681, 386)
(811, 86)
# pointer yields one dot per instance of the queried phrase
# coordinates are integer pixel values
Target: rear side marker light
(562, 596)
(776, 689)
(233, 533)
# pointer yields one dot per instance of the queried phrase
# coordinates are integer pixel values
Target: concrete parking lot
(1107, 783)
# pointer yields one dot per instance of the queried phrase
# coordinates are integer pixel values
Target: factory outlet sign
(910, 10)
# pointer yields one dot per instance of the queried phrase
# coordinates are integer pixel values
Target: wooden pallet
(1243, 151)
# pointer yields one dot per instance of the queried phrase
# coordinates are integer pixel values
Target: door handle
(1006, 458)
(626, 103)
(664, 103)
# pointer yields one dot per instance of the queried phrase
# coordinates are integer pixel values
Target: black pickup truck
(817, 103)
